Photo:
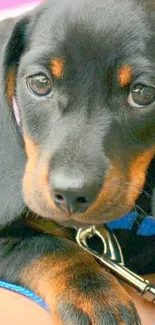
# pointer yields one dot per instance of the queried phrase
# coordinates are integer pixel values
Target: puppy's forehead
(109, 22)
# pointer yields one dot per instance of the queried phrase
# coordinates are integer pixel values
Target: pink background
(6, 4)
(13, 8)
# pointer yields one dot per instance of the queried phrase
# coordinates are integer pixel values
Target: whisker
(139, 208)
(133, 185)
(14, 174)
(27, 214)
(151, 188)
(56, 230)
(23, 209)
(10, 198)
(14, 185)
(60, 228)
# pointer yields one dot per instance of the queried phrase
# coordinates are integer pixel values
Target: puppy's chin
(98, 216)
(76, 220)
(75, 224)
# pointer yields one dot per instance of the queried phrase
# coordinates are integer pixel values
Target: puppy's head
(85, 90)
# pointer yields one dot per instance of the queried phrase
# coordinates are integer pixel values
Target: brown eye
(39, 85)
(141, 95)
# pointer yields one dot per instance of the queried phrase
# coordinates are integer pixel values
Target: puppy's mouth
(116, 197)
(113, 211)
(75, 224)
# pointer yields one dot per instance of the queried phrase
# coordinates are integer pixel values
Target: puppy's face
(86, 93)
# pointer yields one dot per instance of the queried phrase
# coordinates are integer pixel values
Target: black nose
(73, 195)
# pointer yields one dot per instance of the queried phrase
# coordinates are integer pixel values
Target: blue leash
(24, 292)
(146, 228)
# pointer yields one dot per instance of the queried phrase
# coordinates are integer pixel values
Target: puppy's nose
(73, 195)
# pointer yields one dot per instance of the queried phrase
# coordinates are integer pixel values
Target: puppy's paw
(88, 295)
(78, 291)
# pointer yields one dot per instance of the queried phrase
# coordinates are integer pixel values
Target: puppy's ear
(12, 55)
(13, 39)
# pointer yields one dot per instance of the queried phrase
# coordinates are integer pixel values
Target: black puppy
(77, 134)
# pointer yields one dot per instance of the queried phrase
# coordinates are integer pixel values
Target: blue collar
(146, 227)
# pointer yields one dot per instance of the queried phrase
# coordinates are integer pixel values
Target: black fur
(85, 126)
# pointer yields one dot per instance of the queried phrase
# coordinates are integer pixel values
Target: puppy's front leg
(74, 286)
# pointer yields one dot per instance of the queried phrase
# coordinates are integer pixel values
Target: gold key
(112, 258)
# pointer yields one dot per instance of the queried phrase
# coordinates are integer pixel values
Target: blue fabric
(146, 228)
(125, 222)
(23, 291)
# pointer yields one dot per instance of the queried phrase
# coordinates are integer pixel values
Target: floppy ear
(13, 38)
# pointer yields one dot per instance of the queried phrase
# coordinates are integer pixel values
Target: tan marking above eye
(57, 67)
(125, 75)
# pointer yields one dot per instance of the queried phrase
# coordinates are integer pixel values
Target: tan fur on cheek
(43, 183)
(10, 85)
(31, 149)
(109, 189)
(137, 174)
(120, 189)
(35, 182)
(129, 188)
(32, 152)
